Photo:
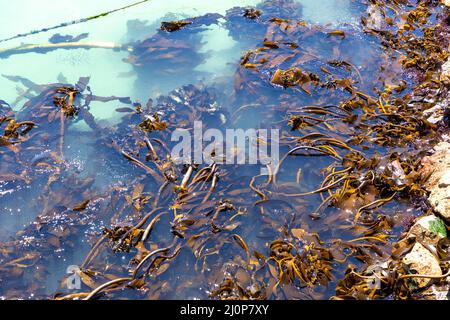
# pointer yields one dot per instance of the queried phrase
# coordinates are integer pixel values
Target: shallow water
(25, 209)
(111, 75)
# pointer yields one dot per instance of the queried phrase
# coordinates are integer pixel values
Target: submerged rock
(421, 261)
(438, 184)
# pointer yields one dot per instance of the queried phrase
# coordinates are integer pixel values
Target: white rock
(437, 166)
(444, 182)
(428, 230)
(375, 18)
(421, 261)
(436, 292)
(445, 71)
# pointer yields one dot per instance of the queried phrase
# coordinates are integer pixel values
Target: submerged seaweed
(352, 128)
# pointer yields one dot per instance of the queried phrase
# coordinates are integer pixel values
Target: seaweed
(322, 223)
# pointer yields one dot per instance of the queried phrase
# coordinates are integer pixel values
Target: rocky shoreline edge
(425, 245)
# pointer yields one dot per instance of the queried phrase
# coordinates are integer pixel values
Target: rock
(421, 261)
(436, 292)
(440, 201)
(428, 230)
(444, 182)
(438, 183)
(445, 71)
(397, 172)
(375, 18)
(435, 113)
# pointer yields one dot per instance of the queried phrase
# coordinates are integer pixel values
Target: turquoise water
(85, 158)
(108, 72)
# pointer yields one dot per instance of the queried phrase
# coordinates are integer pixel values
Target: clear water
(108, 73)
(20, 205)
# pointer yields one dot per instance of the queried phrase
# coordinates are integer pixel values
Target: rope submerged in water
(43, 48)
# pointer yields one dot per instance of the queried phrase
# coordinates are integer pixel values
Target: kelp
(173, 50)
(324, 221)
(83, 20)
